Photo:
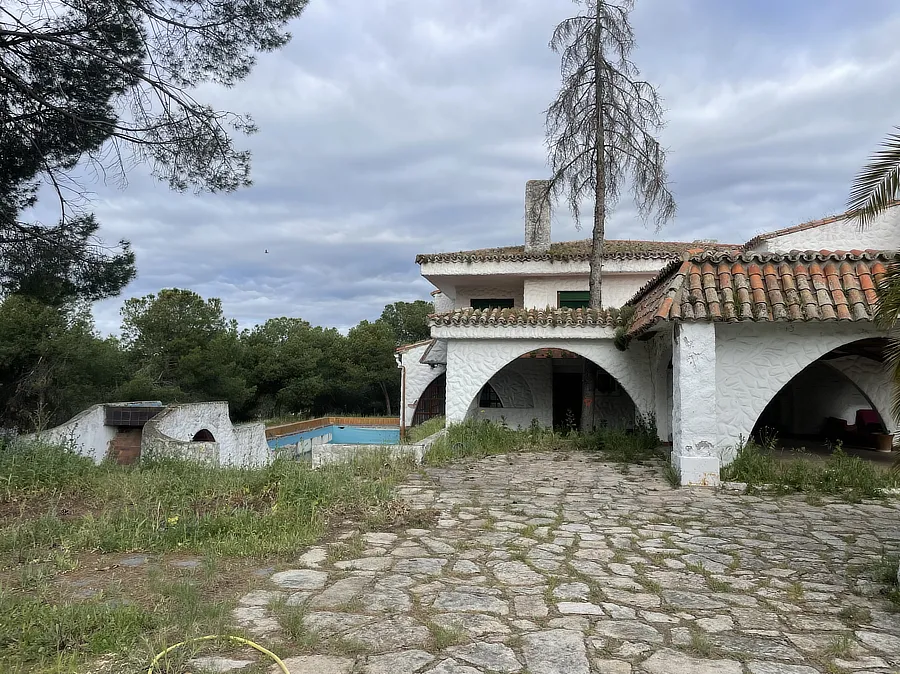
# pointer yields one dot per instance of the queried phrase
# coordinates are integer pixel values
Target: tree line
(176, 346)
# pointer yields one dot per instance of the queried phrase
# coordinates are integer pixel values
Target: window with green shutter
(493, 304)
(573, 299)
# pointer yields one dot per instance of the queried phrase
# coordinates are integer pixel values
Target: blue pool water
(343, 435)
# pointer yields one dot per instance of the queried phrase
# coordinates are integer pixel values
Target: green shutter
(574, 299)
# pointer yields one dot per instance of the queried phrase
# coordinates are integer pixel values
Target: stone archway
(473, 363)
(755, 362)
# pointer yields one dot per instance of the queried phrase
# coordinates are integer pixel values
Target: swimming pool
(338, 434)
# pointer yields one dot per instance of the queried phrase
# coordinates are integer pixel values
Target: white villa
(724, 340)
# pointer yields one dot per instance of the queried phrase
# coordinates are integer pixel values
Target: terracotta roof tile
(765, 287)
(512, 318)
(580, 251)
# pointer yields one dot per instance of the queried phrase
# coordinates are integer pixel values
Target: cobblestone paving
(559, 564)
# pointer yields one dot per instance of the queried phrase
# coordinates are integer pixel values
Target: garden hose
(213, 637)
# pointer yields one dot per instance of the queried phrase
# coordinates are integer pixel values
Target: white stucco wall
(817, 393)
(874, 380)
(243, 445)
(694, 423)
(541, 292)
(418, 377)
(473, 362)
(85, 433)
(525, 387)
(442, 303)
(660, 352)
(882, 234)
(755, 361)
(465, 294)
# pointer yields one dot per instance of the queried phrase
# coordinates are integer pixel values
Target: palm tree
(875, 189)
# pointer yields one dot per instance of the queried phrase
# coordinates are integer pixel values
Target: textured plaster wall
(418, 377)
(525, 387)
(85, 433)
(875, 382)
(442, 303)
(819, 392)
(660, 353)
(542, 292)
(473, 362)
(694, 403)
(465, 294)
(236, 446)
(756, 361)
(882, 234)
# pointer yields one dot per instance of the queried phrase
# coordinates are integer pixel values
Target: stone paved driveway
(559, 564)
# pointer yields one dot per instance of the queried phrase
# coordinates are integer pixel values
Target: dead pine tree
(601, 133)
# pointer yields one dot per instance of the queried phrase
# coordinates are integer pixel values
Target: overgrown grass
(624, 446)
(478, 438)
(424, 430)
(61, 502)
(59, 512)
(849, 477)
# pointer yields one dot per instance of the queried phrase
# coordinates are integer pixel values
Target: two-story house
(720, 340)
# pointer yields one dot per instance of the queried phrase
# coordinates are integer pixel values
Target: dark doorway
(566, 400)
(433, 401)
(203, 435)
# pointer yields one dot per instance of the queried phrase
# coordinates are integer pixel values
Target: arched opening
(432, 403)
(203, 435)
(546, 385)
(842, 397)
(488, 398)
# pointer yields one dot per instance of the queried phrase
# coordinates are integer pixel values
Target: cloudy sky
(394, 127)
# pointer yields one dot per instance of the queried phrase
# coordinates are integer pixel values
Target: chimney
(537, 216)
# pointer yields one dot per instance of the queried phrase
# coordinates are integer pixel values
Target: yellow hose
(213, 637)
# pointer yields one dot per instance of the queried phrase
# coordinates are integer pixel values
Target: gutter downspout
(402, 367)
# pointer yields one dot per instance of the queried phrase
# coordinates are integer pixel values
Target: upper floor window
(573, 299)
(489, 397)
(493, 304)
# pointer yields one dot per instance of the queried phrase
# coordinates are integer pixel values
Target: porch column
(462, 380)
(694, 426)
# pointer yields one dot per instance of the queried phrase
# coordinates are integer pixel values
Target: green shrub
(851, 477)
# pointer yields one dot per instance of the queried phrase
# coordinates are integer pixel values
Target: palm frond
(877, 186)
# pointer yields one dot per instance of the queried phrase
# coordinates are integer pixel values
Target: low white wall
(236, 446)
(85, 433)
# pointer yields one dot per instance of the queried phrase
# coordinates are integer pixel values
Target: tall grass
(478, 438)
(848, 476)
(424, 430)
(64, 501)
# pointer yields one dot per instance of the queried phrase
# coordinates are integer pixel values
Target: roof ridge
(577, 250)
(810, 224)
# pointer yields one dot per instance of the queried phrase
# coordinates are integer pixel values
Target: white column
(694, 425)
(463, 381)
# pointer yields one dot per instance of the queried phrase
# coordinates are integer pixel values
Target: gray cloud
(393, 127)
